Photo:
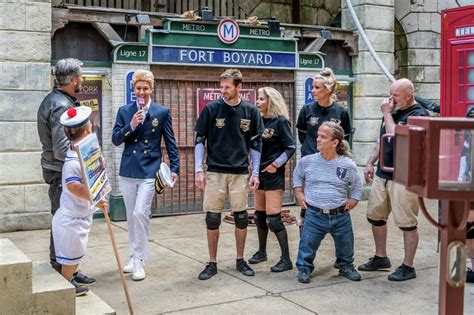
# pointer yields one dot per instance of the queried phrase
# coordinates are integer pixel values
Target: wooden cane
(119, 263)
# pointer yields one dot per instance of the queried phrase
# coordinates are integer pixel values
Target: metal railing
(219, 7)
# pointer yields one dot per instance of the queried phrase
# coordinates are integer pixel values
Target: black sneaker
(245, 269)
(403, 273)
(283, 265)
(258, 257)
(208, 272)
(470, 275)
(304, 276)
(79, 290)
(82, 279)
(376, 263)
(349, 272)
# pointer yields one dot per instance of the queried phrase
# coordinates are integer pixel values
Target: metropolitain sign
(222, 57)
(205, 96)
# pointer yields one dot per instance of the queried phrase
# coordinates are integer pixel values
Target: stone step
(91, 304)
(15, 278)
(52, 294)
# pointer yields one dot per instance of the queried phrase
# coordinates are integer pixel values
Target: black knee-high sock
(282, 237)
(260, 219)
(279, 229)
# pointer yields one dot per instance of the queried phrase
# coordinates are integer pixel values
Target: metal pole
(451, 299)
(119, 263)
(368, 44)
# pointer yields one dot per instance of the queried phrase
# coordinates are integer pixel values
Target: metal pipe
(428, 216)
(367, 43)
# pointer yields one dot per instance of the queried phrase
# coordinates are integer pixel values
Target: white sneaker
(138, 270)
(128, 268)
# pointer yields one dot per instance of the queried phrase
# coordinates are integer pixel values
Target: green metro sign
(211, 28)
(313, 61)
(131, 53)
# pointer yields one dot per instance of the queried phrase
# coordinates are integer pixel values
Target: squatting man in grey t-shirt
(328, 185)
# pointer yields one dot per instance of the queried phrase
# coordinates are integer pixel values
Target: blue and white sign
(228, 31)
(217, 57)
(308, 94)
(129, 90)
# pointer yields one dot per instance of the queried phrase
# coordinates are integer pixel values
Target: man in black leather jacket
(54, 142)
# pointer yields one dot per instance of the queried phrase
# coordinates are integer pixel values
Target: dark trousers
(53, 179)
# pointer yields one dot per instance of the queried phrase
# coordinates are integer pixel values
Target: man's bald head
(403, 93)
(405, 84)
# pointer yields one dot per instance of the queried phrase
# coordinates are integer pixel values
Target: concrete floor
(179, 252)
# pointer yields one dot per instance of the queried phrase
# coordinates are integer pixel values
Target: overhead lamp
(205, 14)
(141, 18)
(326, 34)
(273, 24)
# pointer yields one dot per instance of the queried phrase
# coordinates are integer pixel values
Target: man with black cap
(68, 73)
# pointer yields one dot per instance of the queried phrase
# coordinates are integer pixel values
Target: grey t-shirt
(327, 184)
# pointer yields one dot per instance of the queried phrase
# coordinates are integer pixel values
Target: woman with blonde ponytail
(324, 108)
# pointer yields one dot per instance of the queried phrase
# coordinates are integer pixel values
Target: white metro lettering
(127, 53)
(194, 55)
(194, 27)
(247, 58)
(259, 32)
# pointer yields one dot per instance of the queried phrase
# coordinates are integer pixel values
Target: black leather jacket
(51, 133)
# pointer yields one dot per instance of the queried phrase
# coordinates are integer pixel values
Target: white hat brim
(165, 175)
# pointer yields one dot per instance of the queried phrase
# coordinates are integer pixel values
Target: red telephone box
(457, 61)
(457, 75)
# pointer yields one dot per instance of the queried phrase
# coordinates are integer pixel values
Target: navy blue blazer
(141, 157)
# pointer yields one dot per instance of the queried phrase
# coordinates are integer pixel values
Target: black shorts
(470, 231)
(272, 181)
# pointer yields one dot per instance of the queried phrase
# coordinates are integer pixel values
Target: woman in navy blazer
(140, 126)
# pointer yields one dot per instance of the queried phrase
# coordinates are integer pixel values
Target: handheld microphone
(141, 103)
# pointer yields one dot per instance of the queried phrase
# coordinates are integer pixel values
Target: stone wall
(371, 85)
(419, 58)
(313, 12)
(25, 38)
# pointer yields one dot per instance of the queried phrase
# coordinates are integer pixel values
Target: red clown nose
(71, 112)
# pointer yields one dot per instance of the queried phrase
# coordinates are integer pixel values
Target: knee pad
(275, 223)
(213, 220)
(260, 219)
(241, 219)
(377, 222)
(408, 229)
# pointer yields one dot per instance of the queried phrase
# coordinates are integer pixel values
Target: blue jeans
(316, 226)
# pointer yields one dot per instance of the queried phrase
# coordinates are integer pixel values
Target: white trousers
(138, 196)
(70, 235)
